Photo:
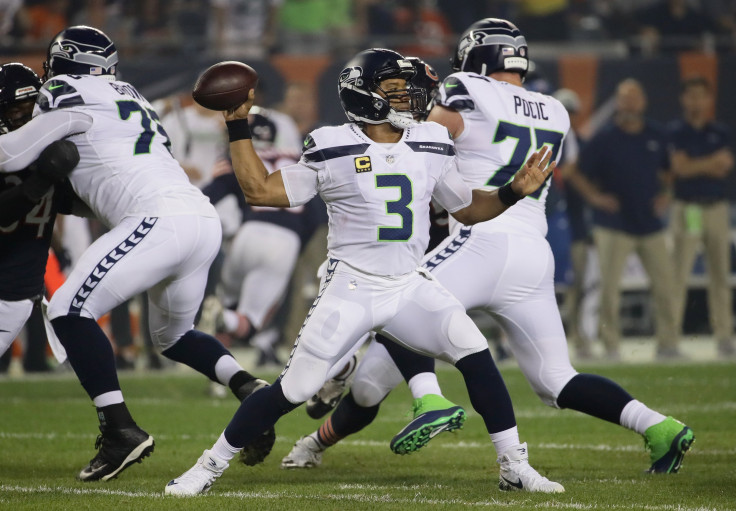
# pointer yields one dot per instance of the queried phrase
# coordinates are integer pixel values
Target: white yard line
(376, 443)
(352, 497)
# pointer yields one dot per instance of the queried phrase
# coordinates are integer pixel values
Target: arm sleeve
(300, 182)
(451, 192)
(21, 147)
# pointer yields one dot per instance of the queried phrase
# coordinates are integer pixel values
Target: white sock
(423, 384)
(109, 398)
(231, 320)
(223, 450)
(314, 436)
(503, 440)
(639, 417)
(225, 368)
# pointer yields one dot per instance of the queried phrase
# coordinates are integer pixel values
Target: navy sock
(199, 351)
(596, 396)
(349, 417)
(256, 414)
(487, 391)
(409, 363)
(115, 416)
(90, 353)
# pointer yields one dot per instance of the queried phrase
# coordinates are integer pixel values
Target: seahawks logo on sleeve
(58, 94)
(454, 95)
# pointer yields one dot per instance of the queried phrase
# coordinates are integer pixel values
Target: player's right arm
(20, 148)
(259, 187)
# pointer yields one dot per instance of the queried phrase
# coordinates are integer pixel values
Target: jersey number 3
(523, 137)
(398, 207)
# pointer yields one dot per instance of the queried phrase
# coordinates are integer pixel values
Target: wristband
(238, 130)
(508, 196)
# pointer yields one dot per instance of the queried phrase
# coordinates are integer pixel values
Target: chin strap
(401, 120)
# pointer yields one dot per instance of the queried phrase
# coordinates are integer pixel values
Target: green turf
(48, 428)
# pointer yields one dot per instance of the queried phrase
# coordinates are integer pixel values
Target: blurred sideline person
(503, 266)
(701, 161)
(623, 174)
(163, 234)
(368, 172)
(29, 202)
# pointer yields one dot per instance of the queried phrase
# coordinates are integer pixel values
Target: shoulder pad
(454, 94)
(57, 93)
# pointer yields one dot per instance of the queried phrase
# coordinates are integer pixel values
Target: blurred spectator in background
(579, 225)
(41, 20)
(673, 25)
(198, 138)
(623, 167)
(701, 161)
(544, 20)
(317, 26)
(429, 26)
(244, 27)
(300, 103)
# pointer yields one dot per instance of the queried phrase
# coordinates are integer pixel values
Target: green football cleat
(433, 414)
(667, 442)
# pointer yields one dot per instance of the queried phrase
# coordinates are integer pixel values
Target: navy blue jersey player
(29, 202)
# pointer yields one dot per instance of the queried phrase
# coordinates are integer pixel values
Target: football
(224, 85)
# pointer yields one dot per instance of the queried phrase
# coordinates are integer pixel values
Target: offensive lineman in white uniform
(163, 234)
(376, 175)
(505, 266)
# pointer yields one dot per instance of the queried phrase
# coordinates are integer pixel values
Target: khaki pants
(574, 296)
(613, 248)
(693, 224)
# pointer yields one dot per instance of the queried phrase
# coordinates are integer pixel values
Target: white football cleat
(199, 478)
(517, 474)
(306, 453)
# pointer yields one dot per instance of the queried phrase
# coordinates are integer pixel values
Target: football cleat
(330, 394)
(257, 451)
(199, 478)
(433, 414)
(518, 475)
(306, 453)
(117, 450)
(667, 443)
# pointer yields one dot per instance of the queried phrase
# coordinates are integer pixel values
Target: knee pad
(303, 378)
(464, 335)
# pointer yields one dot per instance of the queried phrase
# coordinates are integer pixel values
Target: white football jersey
(125, 167)
(378, 195)
(503, 125)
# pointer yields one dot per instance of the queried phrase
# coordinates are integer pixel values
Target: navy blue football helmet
(360, 80)
(19, 87)
(80, 50)
(426, 78)
(491, 45)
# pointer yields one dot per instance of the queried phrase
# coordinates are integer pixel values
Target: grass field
(48, 428)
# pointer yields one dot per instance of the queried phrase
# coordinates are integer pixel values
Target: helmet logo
(24, 90)
(351, 75)
(431, 73)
